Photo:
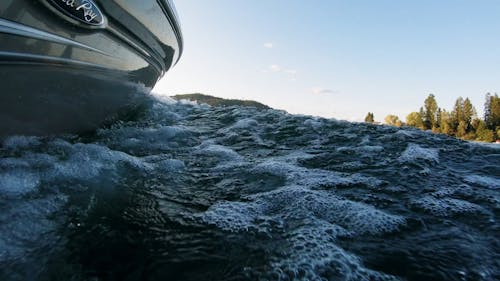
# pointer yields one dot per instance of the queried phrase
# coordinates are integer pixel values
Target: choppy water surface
(190, 192)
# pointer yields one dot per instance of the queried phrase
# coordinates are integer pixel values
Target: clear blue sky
(339, 59)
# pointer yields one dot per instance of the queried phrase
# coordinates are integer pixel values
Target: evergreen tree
(438, 121)
(461, 122)
(469, 112)
(445, 122)
(472, 134)
(487, 110)
(421, 112)
(492, 113)
(483, 133)
(430, 112)
(370, 117)
(475, 123)
(461, 129)
(457, 114)
(495, 111)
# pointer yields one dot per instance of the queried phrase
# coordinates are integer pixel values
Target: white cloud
(320, 90)
(274, 68)
(278, 68)
(268, 45)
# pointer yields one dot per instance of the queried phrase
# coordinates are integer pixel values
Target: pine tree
(430, 112)
(469, 112)
(438, 121)
(475, 123)
(445, 122)
(461, 122)
(370, 118)
(492, 114)
(457, 114)
(483, 133)
(461, 129)
(421, 112)
(487, 110)
(495, 112)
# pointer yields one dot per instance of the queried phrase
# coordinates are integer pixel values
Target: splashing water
(192, 192)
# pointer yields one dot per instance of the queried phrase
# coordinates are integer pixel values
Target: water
(189, 192)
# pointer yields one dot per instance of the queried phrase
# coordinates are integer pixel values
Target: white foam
(19, 142)
(164, 163)
(245, 126)
(357, 218)
(365, 140)
(349, 136)
(485, 181)
(293, 157)
(363, 149)
(244, 123)
(13, 163)
(188, 102)
(158, 134)
(171, 165)
(233, 216)
(17, 183)
(415, 152)
(165, 132)
(312, 178)
(87, 161)
(491, 145)
(445, 207)
(295, 202)
(314, 123)
(164, 98)
(220, 151)
(309, 222)
(407, 133)
(140, 137)
(312, 252)
(162, 112)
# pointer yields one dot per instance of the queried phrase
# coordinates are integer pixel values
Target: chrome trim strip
(12, 57)
(170, 12)
(15, 28)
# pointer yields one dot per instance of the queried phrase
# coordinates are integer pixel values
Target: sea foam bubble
(415, 152)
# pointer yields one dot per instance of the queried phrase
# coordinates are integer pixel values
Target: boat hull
(59, 76)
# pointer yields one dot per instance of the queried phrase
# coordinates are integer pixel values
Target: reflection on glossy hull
(61, 75)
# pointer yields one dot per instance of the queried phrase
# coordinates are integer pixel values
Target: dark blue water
(192, 192)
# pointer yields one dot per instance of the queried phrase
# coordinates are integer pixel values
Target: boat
(70, 66)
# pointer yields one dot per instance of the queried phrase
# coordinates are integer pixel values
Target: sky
(339, 59)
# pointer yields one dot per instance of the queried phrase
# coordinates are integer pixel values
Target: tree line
(462, 121)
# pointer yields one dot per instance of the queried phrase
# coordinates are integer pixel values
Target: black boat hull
(58, 75)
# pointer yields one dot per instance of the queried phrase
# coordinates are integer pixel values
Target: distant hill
(215, 101)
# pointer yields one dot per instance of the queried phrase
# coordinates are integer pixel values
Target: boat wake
(183, 191)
